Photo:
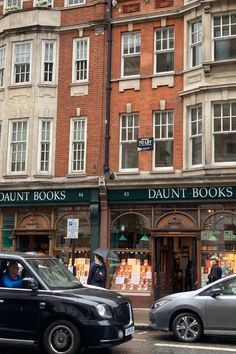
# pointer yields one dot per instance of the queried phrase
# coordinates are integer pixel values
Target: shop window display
(63, 246)
(130, 239)
(219, 239)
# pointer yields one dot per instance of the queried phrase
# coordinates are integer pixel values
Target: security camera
(114, 3)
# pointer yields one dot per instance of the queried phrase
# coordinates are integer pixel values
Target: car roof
(22, 255)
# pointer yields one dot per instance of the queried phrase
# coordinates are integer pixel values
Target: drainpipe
(108, 88)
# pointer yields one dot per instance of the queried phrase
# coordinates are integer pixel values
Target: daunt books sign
(177, 194)
(50, 196)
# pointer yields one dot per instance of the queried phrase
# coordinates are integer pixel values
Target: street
(150, 342)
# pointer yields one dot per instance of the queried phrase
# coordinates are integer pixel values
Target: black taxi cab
(54, 310)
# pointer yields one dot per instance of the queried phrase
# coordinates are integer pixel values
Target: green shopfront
(165, 238)
(36, 220)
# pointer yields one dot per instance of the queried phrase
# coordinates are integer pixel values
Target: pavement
(141, 318)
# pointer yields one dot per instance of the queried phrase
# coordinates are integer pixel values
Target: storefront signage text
(179, 193)
(44, 196)
(193, 193)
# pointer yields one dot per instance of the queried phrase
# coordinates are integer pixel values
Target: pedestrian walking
(216, 271)
(97, 273)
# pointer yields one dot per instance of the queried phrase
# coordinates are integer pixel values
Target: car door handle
(42, 305)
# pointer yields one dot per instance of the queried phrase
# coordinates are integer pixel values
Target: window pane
(225, 147)
(164, 153)
(165, 62)
(197, 150)
(225, 49)
(131, 65)
(217, 110)
(226, 109)
(129, 156)
(217, 125)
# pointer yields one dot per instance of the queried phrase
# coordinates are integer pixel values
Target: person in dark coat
(216, 271)
(97, 273)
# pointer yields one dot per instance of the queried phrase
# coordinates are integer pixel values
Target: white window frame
(72, 141)
(75, 59)
(134, 128)
(43, 3)
(70, 3)
(2, 65)
(199, 122)
(11, 143)
(42, 140)
(46, 60)
(22, 63)
(169, 49)
(198, 43)
(228, 163)
(132, 40)
(160, 168)
(222, 37)
(11, 5)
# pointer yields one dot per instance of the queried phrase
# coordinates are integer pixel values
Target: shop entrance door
(29, 243)
(175, 264)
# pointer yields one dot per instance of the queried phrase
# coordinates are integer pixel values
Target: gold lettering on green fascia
(167, 193)
(14, 196)
(49, 195)
(191, 193)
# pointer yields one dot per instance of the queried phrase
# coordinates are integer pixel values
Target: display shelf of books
(227, 263)
(132, 275)
(82, 266)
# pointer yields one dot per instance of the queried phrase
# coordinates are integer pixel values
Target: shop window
(63, 247)
(8, 227)
(130, 239)
(219, 239)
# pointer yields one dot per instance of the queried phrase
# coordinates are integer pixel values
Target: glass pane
(225, 19)
(225, 147)
(170, 131)
(129, 156)
(157, 118)
(197, 150)
(233, 105)
(226, 124)
(164, 153)
(132, 65)
(194, 128)
(217, 20)
(165, 62)
(226, 109)
(234, 123)
(157, 132)
(225, 49)
(217, 110)
(217, 125)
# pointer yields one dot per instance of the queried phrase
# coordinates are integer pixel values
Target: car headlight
(104, 311)
(160, 303)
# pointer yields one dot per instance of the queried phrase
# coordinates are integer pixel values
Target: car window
(17, 272)
(54, 274)
(227, 286)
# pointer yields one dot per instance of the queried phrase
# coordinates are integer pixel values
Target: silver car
(209, 310)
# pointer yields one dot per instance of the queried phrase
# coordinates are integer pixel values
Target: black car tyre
(61, 337)
(187, 327)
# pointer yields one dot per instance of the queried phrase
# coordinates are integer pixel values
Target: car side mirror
(30, 283)
(215, 292)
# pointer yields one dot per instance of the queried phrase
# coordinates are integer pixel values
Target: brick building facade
(80, 83)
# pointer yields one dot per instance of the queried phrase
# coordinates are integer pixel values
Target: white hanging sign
(72, 228)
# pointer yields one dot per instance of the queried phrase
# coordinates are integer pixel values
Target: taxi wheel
(187, 327)
(61, 337)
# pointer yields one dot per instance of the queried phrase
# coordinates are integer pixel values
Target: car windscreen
(54, 274)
